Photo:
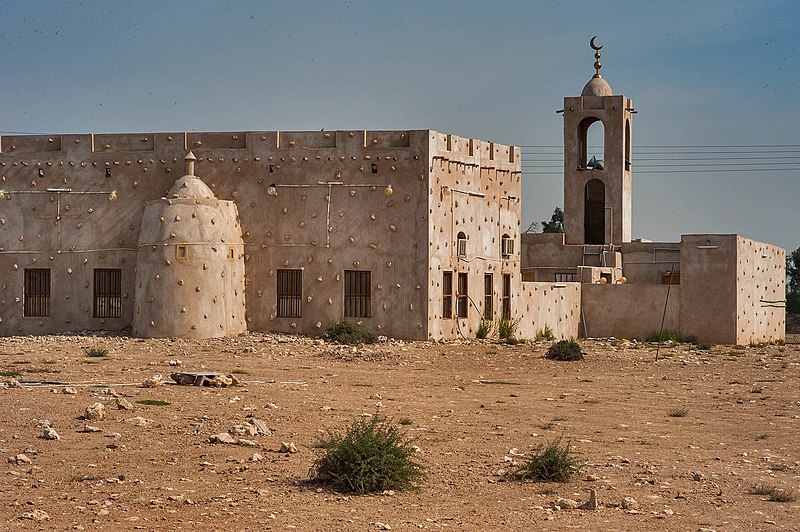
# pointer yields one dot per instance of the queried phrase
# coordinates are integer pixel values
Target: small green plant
(405, 421)
(95, 352)
(673, 336)
(507, 330)
(545, 334)
(678, 412)
(568, 350)
(705, 347)
(554, 463)
(153, 402)
(484, 329)
(372, 456)
(773, 493)
(347, 332)
(10, 373)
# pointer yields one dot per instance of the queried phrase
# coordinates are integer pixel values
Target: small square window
(181, 252)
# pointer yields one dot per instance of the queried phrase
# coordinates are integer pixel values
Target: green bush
(545, 334)
(568, 350)
(346, 332)
(554, 463)
(655, 337)
(507, 330)
(372, 456)
(774, 494)
(484, 329)
(96, 352)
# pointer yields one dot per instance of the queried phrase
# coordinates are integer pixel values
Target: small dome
(190, 186)
(597, 86)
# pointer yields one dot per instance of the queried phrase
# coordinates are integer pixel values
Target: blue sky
(700, 74)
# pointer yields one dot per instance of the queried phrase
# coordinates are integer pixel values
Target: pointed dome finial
(189, 163)
(597, 86)
(597, 64)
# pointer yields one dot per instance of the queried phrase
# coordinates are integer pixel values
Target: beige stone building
(412, 234)
(717, 288)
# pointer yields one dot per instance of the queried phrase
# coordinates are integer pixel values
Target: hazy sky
(719, 76)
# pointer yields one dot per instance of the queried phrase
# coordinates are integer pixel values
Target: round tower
(190, 264)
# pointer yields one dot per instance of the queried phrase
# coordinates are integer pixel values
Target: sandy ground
(471, 408)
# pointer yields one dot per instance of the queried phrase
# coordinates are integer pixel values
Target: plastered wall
(709, 287)
(346, 200)
(761, 283)
(554, 305)
(475, 190)
(629, 310)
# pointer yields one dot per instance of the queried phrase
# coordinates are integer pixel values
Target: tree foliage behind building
(793, 282)
(556, 223)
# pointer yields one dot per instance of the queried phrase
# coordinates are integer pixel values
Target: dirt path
(470, 408)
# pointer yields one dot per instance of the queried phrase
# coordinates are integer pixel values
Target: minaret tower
(597, 180)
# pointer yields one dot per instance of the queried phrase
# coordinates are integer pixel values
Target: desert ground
(686, 437)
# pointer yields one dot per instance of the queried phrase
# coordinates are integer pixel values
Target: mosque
(412, 234)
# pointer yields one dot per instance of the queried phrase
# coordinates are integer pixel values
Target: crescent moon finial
(597, 63)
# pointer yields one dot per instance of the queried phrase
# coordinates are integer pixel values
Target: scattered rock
(124, 404)
(69, 391)
(49, 433)
(257, 457)
(697, 476)
(271, 406)
(629, 503)
(261, 427)
(247, 443)
(591, 504)
(139, 421)
(222, 437)
(287, 447)
(19, 459)
(90, 428)
(35, 515)
(12, 383)
(204, 378)
(566, 504)
(95, 412)
(154, 381)
(243, 429)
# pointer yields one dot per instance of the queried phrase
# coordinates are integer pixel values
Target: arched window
(591, 144)
(594, 212)
(506, 245)
(461, 244)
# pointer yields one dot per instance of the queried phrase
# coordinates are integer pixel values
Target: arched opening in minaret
(627, 145)
(594, 212)
(591, 144)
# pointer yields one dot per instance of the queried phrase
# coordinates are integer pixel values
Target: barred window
(506, 296)
(36, 293)
(565, 277)
(290, 293)
(107, 293)
(447, 294)
(488, 296)
(463, 296)
(357, 294)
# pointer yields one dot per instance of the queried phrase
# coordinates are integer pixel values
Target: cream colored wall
(319, 228)
(629, 310)
(481, 177)
(554, 305)
(761, 282)
(644, 262)
(202, 294)
(709, 287)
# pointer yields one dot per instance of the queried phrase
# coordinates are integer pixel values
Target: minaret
(597, 183)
